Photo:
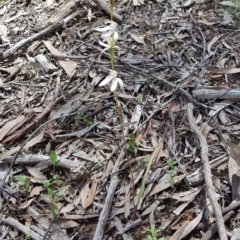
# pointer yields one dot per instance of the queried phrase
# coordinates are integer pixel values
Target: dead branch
(207, 174)
(52, 28)
(12, 222)
(76, 168)
(106, 9)
(232, 206)
(220, 94)
(21, 132)
(211, 232)
(108, 202)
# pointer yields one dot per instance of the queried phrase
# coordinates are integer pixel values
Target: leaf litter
(170, 53)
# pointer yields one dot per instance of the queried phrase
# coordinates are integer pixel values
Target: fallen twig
(12, 222)
(10, 52)
(77, 168)
(210, 233)
(108, 202)
(232, 206)
(203, 92)
(207, 174)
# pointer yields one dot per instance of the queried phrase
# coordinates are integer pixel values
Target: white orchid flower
(112, 77)
(109, 31)
(110, 44)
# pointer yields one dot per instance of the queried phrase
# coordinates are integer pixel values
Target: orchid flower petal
(106, 80)
(120, 82)
(107, 34)
(102, 29)
(114, 84)
(103, 44)
(115, 37)
(104, 50)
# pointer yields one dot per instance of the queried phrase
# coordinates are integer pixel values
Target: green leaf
(22, 179)
(53, 157)
(131, 143)
(46, 183)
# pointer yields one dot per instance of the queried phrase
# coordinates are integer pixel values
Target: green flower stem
(112, 55)
(111, 8)
(119, 109)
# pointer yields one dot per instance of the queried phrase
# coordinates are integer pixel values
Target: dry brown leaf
(9, 153)
(25, 204)
(69, 65)
(188, 3)
(36, 191)
(186, 228)
(205, 22)
(68, 224)
(164, 185)
(180, 208)
(122, 201)
(107, 172)
(67, 208)
(127, 207)
(235, 187)
(9, 125)
(205, 129)
(228, 70)
(64, 108)
(38, 177)
(218, 106)
(12, 71)
(88, 194)
(228, 3)
(214, 40)
(215, 77)
(233, 168)
(222, 62)
(199, 118)
(234, 153)
(137, 38)
(83, 155)
(80, 216)
(34, 141)
(138, 2)
(151, 208)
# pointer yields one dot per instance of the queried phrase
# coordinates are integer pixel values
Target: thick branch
(207, 174)
(108, 203)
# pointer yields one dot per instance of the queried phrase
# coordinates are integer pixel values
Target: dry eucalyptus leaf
(137, 38)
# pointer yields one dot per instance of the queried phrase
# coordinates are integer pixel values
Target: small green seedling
(132, 144)
(83, 118)
(53, 188)
(139, 97)
(153, 233)
(27, 236)
(25, 183)
(173, 169)
(53, 158)
(200, 15)
(101, 165)
(53, 196)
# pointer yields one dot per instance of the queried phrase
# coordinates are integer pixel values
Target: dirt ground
(157, 159)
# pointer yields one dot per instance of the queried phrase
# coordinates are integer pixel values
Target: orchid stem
(112, 3)
(119, 111)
